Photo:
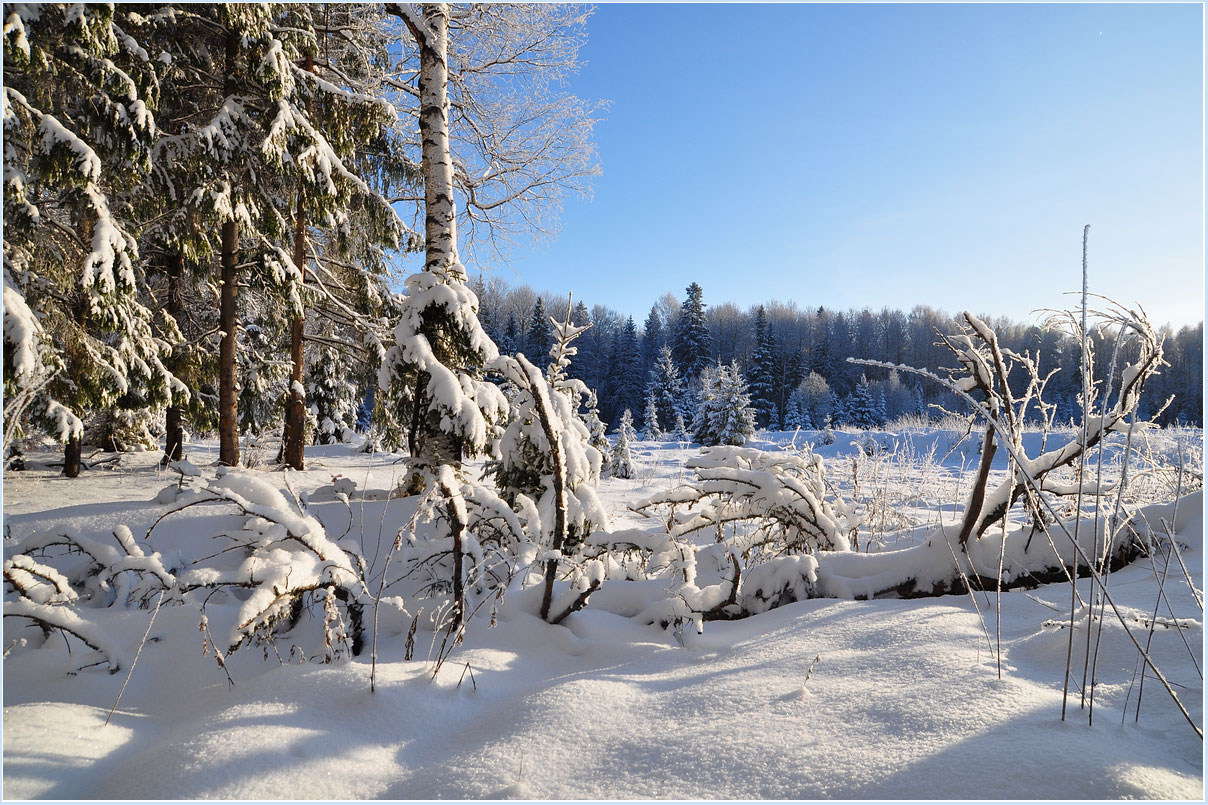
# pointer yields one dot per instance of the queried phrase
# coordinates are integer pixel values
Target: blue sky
(890, 155)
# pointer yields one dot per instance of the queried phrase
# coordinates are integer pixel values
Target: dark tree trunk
(459, 593)
(228, 373)
(977, 496)
(174, 418)
(71, 456)
(293, 443)
(174, 423)
(228, 370)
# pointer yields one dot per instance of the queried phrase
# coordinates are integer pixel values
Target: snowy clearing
(819, 699)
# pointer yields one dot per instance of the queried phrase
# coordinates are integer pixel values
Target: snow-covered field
(825, 698)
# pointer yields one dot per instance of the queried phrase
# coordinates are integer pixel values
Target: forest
(300, 502)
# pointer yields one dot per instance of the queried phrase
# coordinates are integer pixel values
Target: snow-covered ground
(882, 699)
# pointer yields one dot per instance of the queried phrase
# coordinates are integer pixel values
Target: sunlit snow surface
(904, 701)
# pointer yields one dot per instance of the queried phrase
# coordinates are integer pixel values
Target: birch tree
(519, 142)
(434, 367)
(507, 157)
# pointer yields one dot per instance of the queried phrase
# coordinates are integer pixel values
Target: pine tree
(263, 376)
(539, 337)
(692, 344)
(680, 432)
(625, 370)
(898, 397)
(78, 127)
(794, 372)
(511, 336)
(274, 123)
(861, 406)
(763, 373)
(795, 416)
(584, 365)
(653, 339)
(651, 431)
(333, 397)
(620, 461)
(595, 425)
(723, 413)
(920, 404)
(666, 387)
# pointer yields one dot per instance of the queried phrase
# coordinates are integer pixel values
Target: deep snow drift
(826, 698)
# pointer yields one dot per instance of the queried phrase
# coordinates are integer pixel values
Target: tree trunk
(977, 496)
(173, 419)
(293, 443)
(228, 371)
(431, 445)
(293, 446)
(440, 214)
(71, 456)
(174, 446)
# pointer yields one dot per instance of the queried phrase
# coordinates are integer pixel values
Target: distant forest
(779, 345)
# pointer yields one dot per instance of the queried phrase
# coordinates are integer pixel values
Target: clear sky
(890, 155)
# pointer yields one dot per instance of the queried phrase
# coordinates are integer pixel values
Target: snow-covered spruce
(723, 412)
(77, 333)
(332, 396)
(667, 390)
(620, 460)
(433, 369)
(548, 467)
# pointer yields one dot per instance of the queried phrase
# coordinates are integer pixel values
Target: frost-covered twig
(138, 652)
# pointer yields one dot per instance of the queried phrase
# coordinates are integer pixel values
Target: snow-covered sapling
(620, 460)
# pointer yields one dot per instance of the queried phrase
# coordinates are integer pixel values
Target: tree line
(794, 360)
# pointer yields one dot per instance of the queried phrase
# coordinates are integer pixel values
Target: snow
(820, 699)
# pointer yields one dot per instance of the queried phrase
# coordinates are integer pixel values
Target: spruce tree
(861, 408)
(667, 388)
(79, 94)
(511, 336)
(332, 396)
(583, 366)
(620, 461)
(653, 339)
(539, 337)
(763, 375)
(723, 413)
(795, 371)
(795, 416)
(625, 370)
(692, 344)
(651, 430)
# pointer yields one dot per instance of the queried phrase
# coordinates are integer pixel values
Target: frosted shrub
(547, 468)
(764, 508)
(281, 560)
